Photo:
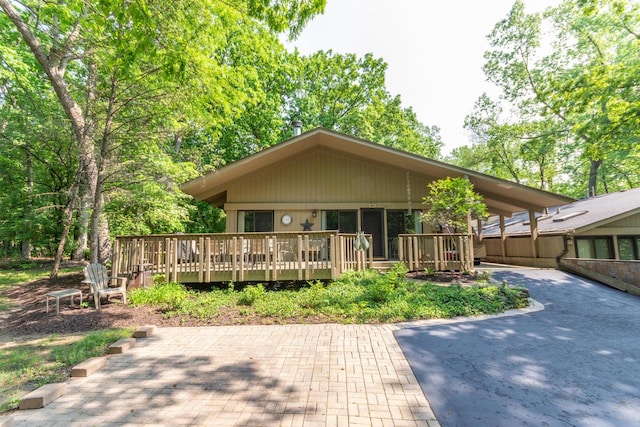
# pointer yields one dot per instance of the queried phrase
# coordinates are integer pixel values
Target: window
(594, 247)
(629, 247)
(343, 221)
(255, 221)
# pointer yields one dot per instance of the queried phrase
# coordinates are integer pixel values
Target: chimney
(297, 127)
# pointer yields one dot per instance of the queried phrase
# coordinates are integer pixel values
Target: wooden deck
(438, 252)
(253, 257)
(240, 257)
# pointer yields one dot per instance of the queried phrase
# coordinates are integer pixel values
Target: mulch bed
(27, 317)
(443, 277)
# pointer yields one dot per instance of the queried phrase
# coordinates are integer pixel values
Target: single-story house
(325, 180)
(605, 228)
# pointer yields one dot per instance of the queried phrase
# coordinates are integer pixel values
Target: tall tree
(122, 46)
(348, 94)
(341, 92)
(576, 98)
(594, 85)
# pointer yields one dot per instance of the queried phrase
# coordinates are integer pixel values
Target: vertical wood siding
(324, 176)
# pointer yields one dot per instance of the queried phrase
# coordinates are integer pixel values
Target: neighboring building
(324, 180)
(602, 227)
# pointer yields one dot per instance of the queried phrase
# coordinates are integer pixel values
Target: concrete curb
(533, 307)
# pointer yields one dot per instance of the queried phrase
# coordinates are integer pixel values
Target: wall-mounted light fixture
(314, 213)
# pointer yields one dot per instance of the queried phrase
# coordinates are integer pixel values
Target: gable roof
(501, 196)
(579, 216)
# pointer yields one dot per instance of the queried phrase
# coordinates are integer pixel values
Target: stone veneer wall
(623, 275)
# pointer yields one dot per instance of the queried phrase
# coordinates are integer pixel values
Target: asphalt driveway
(576, 363)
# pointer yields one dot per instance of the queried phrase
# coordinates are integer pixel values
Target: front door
(372, 221)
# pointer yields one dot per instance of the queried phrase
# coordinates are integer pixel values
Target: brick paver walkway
(288, 375)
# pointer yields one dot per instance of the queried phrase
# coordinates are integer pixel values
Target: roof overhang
(502, 197)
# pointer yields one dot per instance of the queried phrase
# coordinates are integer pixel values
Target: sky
(434, 50)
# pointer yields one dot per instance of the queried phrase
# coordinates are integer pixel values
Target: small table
(63, 293)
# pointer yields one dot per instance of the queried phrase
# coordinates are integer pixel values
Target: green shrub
(167, 295)
(314, 296)
(378, 291)
(280, 304)
(250, 294)
(365, 296)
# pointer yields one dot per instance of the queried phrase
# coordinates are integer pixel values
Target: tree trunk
(87, 197)
(593, 177)
(67, 220)
(26, 247)
(100, 244)
(82, 234)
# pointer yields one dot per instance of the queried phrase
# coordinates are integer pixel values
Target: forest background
(106, 107)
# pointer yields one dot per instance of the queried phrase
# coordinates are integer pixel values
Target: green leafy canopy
(450, 202)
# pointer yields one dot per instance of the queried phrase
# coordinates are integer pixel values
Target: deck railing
(439, 252)
(247, 257)
(205, 258)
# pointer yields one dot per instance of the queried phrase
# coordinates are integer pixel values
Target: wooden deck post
(142, 254)
(201, 258)
(332, 257)
(174, 256)
(299, 257)
(115, 259)
(207, 258)
(441, 254)
(267, 254)
(341, 255)
(307, 256)
(462, 254)
(273, 253)
(242, 255)
(234, 259)
(167, 260)
(533, 225)
(503, 237)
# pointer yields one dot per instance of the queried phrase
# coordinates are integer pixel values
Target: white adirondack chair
(96, 277)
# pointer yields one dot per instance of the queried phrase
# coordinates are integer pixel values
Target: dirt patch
(27, 317)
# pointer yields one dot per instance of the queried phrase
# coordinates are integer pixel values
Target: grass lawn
(27, 364)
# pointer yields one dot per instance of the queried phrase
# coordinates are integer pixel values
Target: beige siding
(323, 176)
(519, 247)
(629, 222)
(492, 246)
(626, 226)
(550, 246)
